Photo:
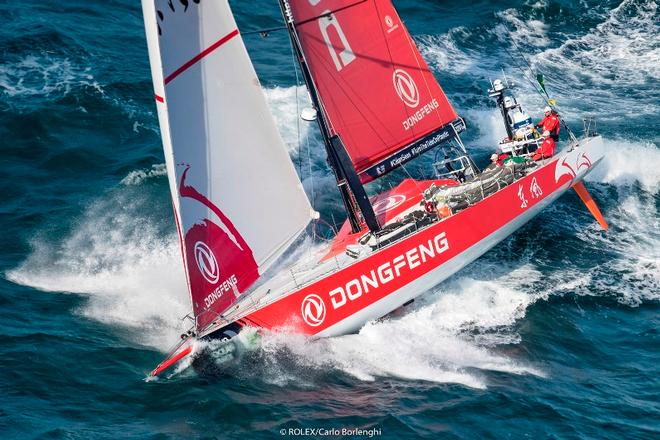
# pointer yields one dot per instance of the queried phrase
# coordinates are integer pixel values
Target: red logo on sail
(220, 262)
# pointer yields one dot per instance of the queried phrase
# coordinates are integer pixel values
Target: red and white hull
(374, 285)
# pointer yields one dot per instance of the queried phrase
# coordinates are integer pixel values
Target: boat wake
(450, 336)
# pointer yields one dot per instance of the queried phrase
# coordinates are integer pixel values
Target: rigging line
(309, 154)
(545, 97)
(264, 32)
(327, 14)
(293, 62)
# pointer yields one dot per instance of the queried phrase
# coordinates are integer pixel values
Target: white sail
(238, 200)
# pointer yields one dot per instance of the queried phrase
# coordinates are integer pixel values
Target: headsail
(237, 198)
(377, 92)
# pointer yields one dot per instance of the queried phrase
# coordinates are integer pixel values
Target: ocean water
(552, 334)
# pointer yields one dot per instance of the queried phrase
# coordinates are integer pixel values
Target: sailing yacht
(239, 204)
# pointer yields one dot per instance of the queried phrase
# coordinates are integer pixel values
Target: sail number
(344, 56)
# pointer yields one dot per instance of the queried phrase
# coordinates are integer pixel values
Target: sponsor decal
(535, 189)
(571, 164)
(313, 310)
(420, 114)
(313, 306)
(405, 88)
(391, 202)
(415, 149)
(342, 55)
(521, 195)
(215, 283)
(173, 7)
(206, 262)
(228, 285)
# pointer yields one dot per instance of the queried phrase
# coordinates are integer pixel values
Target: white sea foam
(627, 162)
(443, 54)
(287, 103)
(43, 75)
(130, 273)
(621, 53)
(446, 338)
(137, 177)
(523, 31)
(489, 125)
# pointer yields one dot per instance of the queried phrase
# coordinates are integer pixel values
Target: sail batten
(237, 199)
(376, 91)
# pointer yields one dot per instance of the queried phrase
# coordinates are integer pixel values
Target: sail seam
(201, 55)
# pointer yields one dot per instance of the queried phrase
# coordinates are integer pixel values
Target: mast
(349, 184)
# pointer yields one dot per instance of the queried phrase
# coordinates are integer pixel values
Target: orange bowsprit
(581, 190)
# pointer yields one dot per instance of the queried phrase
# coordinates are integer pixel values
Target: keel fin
(171, 360)
(581, 190)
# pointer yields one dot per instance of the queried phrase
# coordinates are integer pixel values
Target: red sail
(377, 92)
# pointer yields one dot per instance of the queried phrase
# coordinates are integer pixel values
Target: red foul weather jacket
(550, 123)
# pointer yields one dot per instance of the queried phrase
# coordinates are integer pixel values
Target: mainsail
(237, 199)
(376, 91)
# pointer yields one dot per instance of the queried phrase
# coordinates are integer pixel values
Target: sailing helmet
(493, 157)
(547, 109)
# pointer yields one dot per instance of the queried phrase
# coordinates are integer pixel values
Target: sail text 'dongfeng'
(230, 284)
(420, 114)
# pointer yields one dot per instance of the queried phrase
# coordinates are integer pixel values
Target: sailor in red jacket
(550, 123)
(550, 132)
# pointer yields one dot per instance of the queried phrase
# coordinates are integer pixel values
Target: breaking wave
(126, 266)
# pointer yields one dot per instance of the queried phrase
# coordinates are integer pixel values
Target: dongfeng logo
(313, 310)
(391, 202)
(206, 262)
(406, 88)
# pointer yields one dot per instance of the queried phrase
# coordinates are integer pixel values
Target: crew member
(547, 148)
(550, 134)
(498, 158)
(550, 123)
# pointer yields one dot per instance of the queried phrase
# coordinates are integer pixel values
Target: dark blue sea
(554, 334)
